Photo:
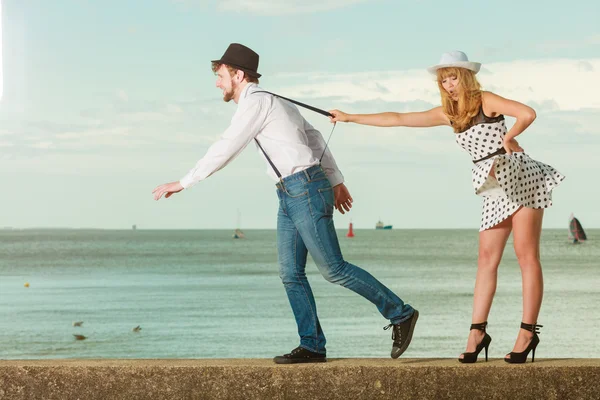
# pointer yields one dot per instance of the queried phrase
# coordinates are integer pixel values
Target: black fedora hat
(240, 57)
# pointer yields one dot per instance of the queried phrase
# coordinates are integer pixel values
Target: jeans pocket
(280, 200)
(326, 195)
(296, 190)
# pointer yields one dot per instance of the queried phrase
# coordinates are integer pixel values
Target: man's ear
(240, 75)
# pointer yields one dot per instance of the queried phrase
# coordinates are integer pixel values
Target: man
(308, 189)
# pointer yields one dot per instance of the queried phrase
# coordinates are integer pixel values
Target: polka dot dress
(519, 180)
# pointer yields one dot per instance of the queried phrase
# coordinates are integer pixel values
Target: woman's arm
(494, 105)
(433, 117)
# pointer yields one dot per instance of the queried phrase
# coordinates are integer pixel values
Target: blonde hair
(462, 112)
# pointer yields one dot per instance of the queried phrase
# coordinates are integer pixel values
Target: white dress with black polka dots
(520, 180)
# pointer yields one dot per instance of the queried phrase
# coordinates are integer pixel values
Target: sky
(104, 100)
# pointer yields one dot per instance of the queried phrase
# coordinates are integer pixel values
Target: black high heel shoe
(469, 358)
(520, 358)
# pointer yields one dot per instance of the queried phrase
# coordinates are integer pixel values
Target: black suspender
(268, 159)
(311, 108)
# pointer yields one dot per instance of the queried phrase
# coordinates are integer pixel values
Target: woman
(515, 189)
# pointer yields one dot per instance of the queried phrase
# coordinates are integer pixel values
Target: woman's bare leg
(527, 229)
(491, 246)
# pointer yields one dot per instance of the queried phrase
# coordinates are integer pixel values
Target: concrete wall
(261, 379)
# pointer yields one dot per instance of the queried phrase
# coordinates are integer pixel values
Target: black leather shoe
(300, 355)
(402, 334)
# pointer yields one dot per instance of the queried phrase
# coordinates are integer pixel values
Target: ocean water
(201, 294)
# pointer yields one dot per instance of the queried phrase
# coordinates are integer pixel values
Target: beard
(230, 93)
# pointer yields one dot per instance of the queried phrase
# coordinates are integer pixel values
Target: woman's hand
(511, 145)
(338, 116)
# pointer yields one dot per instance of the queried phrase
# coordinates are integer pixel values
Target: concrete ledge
(261, 379)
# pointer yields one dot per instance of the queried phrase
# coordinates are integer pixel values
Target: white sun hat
(455, 59)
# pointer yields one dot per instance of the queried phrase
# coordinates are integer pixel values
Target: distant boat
(350, 233)
(133, 227)
(380, 225)
(238, 233)
(576, 230)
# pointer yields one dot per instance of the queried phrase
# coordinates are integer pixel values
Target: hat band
(237, 66)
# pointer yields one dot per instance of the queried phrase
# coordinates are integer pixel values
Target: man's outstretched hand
(168, 188)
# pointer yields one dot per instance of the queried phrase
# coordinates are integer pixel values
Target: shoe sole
(282, 360)
(402, 349)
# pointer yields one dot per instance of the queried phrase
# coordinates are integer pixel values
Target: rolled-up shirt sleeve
(245, 125)
(317, 144)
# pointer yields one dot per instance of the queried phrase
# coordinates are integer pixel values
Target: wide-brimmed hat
(240, 57)
(455, 59)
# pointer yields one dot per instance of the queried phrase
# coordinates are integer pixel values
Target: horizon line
(10, 228)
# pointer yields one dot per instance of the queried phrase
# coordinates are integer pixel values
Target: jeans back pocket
(327, 196)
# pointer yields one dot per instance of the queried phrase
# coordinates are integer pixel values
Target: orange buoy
(350, 231)
(26, 284)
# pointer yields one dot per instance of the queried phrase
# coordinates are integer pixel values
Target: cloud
(166, 125)
(42, 145)
(273, 7)
(117, 127)
(554, 45)
(556, 84)
(585, 66)
(122, 95)
(138, 131)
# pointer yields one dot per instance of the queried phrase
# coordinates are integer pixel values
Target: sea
(202, 294)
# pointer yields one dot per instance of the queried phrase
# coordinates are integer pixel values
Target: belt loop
(306, 173)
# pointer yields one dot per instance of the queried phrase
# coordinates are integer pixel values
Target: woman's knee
(488, 259)
(527, 256)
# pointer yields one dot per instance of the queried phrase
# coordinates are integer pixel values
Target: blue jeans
(305, 224)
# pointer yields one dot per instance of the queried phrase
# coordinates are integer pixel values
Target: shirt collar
(249, 89)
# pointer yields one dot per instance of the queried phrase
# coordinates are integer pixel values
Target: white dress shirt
(290, 141)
